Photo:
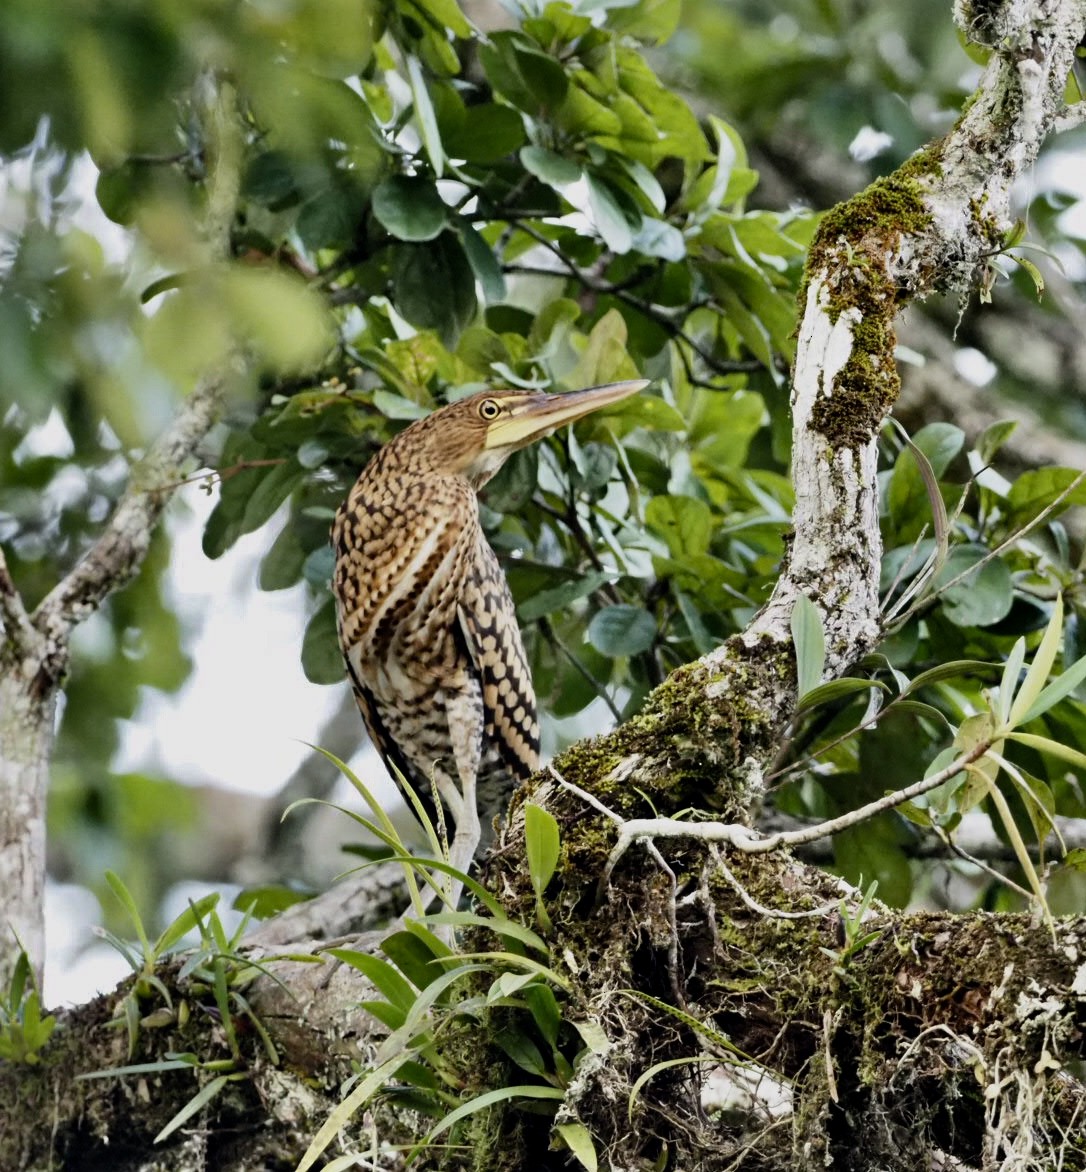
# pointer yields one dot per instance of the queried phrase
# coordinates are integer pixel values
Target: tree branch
(15, 623)
(119, 552)
(33, 665)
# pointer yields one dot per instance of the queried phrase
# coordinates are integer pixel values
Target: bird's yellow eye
(489, 409)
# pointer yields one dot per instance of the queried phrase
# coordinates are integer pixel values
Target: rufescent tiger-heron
(425, 617)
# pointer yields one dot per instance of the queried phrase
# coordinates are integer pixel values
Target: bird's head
(473, 437)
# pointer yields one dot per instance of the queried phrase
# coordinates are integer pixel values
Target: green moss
(851, 246)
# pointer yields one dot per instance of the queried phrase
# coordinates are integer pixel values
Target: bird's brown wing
(489, 626)
(385, 744)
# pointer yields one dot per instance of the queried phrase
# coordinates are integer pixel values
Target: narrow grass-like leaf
(185, 922)
(114, 941)
(417, 1024)
(1040, 669)
(947, 671)
(809, 639)
(835, 689)
(1053, 748)
(658, 1068)
(1009, 680)
(481, 1102)
(499, 925)
(524, 963)
(379, 813)
(357, 1099)
(1015, 838)
(138, 1068)
(1063, 685)
(578, 1139)
(125, 899)
(940, 521)
(196, 1103)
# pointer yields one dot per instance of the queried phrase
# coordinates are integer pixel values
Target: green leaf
(809, 638)
(578, 1139)
(948, 671)
(483, 262)
(261, 903)
(331, 217)
(1035, 274)
(1008, 683)
(486, 135)
(434, 286)
(446, 14)
(835, 690)
(412, 957)
(551, 168)
(427, 121)
(521, 72)
(197, 1103)
(481, 1102)
(1061, 687)
(545, 1010)
(185, 922)
(278, 314)
(684, 522)
(622, 630)
(269, 179)
(557, 598)
(322, 660)
(387, 980)
(410, 208)
(124, 897)
(608, 216)
(1036, 490)
(522, 1050)
(993, 437)
(982, 597)
(541, 841)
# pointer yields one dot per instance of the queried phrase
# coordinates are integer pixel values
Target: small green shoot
(543, 845)
(23, 1030)
(857, 937)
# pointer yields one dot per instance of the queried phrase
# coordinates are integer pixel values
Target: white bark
(879, 261)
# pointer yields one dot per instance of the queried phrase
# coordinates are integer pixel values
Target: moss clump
(851, 251)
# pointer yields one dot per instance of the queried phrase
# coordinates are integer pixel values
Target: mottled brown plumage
(425, 618)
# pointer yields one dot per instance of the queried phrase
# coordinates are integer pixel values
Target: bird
(425, 618)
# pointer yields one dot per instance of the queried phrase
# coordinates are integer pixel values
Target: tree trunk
(26, 743)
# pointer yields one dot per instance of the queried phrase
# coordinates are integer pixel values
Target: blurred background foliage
(438, 197)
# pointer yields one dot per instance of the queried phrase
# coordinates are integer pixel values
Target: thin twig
(988, 870)
(1016, 536)
(748, 841)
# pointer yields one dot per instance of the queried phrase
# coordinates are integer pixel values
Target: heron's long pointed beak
(538, 415)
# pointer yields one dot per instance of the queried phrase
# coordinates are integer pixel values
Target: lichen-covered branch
(932, 225)
(34, 651)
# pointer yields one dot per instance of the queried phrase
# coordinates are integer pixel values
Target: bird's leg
(464, 711)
